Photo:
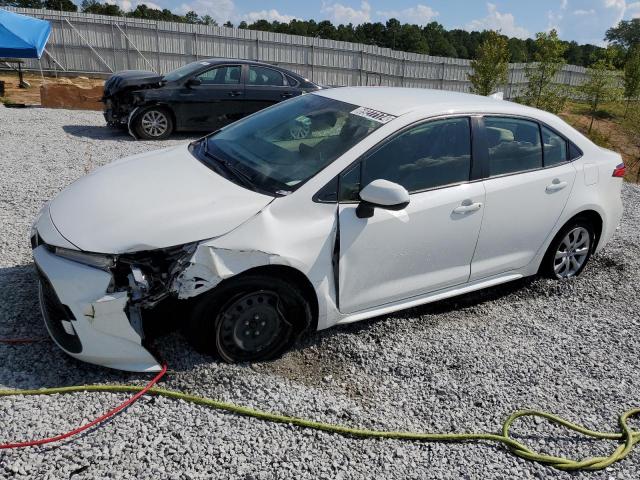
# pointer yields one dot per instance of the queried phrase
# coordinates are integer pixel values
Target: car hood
(153, 200)
(130, 79)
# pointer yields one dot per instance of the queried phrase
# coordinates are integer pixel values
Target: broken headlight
(97, 260)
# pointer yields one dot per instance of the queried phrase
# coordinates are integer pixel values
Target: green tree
(626, 34)
(63, 5)
(517, 50)
(542, 91)
(491, 66)
(631, 77)
(410, 39)
(94, 6)
(191, 17)
(601, 86)
(26, 3)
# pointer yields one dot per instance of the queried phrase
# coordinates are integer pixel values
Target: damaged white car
(395, 198)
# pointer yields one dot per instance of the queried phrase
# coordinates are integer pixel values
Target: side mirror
(381, 194)
(194, 82)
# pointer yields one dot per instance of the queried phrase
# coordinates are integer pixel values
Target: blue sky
(584, 21)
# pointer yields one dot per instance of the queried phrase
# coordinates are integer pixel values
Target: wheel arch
(594, 218)
(140, 109)
(294, 276)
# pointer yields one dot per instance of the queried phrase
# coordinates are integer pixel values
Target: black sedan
(201, 96)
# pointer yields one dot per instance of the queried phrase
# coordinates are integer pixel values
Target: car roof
(214, 61)
(399, 100)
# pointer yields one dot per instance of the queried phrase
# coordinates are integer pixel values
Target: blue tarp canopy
(22, 36)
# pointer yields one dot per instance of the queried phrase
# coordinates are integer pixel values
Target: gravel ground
(459, 365)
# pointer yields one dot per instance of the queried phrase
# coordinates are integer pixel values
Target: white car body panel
(415, 242)
(520, 213)
(179, 201)
(100, 322)
(168, 198)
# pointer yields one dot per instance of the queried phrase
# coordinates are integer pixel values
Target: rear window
(555, 148)
(514, 145)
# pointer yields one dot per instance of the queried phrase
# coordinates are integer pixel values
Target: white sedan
(395, 198)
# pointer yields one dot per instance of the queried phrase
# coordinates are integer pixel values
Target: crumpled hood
(153, 200)
(130, 79)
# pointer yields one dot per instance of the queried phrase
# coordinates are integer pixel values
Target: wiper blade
(229, 167)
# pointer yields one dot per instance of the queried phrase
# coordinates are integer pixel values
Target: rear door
(266, 86)
(217, 101)
(528, 185)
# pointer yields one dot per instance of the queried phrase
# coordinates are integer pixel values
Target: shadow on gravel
(96, 132)
(103, 132)
(440, 307)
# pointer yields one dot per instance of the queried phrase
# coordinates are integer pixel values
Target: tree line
(432, 39)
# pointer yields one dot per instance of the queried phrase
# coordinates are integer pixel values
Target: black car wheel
(153, 123)
(570, 250)
(249, 318)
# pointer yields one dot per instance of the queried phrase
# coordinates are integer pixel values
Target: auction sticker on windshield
(372, 114)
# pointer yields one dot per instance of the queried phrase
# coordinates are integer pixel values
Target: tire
(153, 123)
(248, 318)
(570, 250)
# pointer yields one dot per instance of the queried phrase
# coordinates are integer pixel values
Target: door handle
(287, 95)
(235, 93)
(556, 185)
(471, 207)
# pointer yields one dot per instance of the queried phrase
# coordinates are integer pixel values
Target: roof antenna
(497, 95)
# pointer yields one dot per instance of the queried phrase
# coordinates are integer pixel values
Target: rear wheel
(154, 123)
(249, 318)
(570, 250)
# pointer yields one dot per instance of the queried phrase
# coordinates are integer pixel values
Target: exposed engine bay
(121, 95)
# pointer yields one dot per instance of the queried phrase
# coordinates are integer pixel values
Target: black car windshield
(278, 149)
(184, 71)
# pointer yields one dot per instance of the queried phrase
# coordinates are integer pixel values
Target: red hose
(82, 428)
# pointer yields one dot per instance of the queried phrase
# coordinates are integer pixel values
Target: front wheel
(154, 123)
(570, 250)
(249, 318)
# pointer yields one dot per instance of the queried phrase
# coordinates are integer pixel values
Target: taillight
(620, 170)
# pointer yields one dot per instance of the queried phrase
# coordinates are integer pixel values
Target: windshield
(184, 71)
(278, 149)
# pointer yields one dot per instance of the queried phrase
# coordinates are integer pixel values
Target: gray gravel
(459, 365)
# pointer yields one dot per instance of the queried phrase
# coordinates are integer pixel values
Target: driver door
(217, 101)
(428, 246)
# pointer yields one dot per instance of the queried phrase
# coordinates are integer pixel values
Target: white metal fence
(97, 44)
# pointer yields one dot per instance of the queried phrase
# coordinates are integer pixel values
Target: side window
(292, 81)
(433, 154)
(350, 184)
(228, 75)
(555, 148)
(574, 152)
(514, 145)
(265, 76)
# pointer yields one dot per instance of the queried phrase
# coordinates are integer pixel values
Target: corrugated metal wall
(97, 44)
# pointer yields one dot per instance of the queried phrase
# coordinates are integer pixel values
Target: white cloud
(343, 14)
(563, 4)
(420, 14)
(270, 15)
(505, 22)
(584, 12)
(618, 6)
(633, 10)
(220, 10)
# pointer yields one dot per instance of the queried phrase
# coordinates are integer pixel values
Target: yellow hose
(627, 438)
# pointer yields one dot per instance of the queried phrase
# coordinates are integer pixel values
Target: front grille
(57, 316)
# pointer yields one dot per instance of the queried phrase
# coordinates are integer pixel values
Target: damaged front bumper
(84, 319)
